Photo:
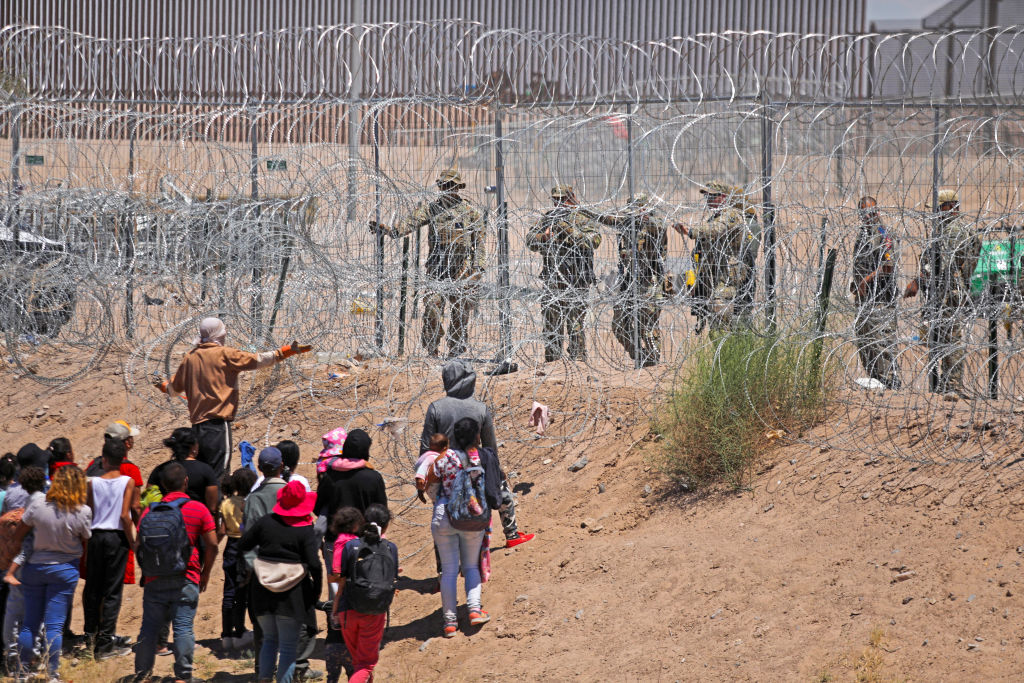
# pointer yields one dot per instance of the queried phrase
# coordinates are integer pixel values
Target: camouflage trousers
(637, 317)
(565, 315)
(462, 298)
(948, 349)
(875, 327)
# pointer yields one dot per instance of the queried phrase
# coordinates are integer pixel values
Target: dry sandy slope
(785, 581)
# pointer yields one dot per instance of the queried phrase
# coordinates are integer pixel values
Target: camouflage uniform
(455, 263)
(568, 272)
(716, 254)
(875, 323)
(746, 288)
(639, 300)
(958, 246)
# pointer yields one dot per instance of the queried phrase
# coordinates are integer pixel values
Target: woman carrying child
(459, 550)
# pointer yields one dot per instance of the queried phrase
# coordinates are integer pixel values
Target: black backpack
(164, 548)
(370, 578)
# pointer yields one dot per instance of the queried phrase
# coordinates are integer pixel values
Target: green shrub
(734, 392)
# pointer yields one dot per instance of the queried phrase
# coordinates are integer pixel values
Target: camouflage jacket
(455, 242)
(651, 247)
(875, 250)
(955, 246)
(568, 254)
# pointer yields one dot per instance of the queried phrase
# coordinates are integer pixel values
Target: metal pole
(355, 62)
(254, 193)
(501, 222)
(634, 243)
(128, 239)
(378, 318)
(15, 188)
(932, 304)
(768, 213)
(993, 338)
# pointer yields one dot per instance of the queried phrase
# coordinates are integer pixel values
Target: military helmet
(947, 196)
(450, 176)
(561, 191)
(717, 187)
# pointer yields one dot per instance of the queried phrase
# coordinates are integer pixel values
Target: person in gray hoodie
(459, 381)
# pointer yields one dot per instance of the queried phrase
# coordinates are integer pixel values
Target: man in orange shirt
(208, 377)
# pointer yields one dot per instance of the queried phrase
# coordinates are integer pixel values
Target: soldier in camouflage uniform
(948, 264)
(638, 304)
(566, 238)
(874, 288)
(455, 261)
(717, 256)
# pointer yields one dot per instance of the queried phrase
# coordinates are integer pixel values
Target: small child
(346, 523)
(363, 631)
(234, 488)
(438, 446)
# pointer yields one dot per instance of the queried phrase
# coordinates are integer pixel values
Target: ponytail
(377, 519)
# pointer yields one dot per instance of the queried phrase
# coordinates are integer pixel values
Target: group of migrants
(62, 520)
(721, 282)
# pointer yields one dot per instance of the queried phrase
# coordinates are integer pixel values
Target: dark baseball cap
(31, 455)
(270, 456)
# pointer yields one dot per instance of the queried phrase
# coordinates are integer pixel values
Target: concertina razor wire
(624, 205)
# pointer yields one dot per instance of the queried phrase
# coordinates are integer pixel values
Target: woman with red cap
(287, 576)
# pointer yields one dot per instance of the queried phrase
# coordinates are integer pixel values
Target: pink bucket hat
(333, 442)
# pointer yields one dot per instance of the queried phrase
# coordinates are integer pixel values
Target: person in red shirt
(174, 598)
(208, 378)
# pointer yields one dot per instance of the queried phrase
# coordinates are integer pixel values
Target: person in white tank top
(113, 533)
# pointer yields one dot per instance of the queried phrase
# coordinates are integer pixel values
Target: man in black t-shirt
(874, 288)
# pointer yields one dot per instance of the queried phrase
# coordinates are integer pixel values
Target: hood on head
(357, 445)
(458, 378)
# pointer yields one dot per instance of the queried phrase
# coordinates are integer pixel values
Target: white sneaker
(245, 640)
(229, 643)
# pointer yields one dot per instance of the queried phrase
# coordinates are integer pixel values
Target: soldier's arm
(708, 230)
(535, 238)
(414, 221)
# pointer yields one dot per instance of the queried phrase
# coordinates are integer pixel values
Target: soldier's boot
(433, 318)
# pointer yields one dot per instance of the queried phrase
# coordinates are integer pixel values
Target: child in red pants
(369, 569)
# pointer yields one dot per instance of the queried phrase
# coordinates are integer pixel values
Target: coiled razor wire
(152, 182)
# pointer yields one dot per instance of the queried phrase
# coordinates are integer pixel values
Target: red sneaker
(518, 539)
(450, 629)
(478, 617)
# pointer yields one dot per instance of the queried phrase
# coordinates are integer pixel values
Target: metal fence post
(501, 223)
(128, 237)
(932, 302)
(634, 262)
(378, 316)
(768, 212)
(254, 194)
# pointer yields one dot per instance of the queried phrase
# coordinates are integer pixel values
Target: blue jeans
(48, 590)
(459, 550)
(280, 634)
(168, 599)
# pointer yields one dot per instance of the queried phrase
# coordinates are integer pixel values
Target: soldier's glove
(668, 286)
(293, 349)
(379, 228)
(159, 382)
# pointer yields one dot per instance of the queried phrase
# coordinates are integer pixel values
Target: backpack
(466, 490)
(164, 548)
(9, 548)
(370, 579)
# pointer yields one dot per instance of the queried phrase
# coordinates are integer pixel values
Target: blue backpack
(465, 489)
(164, 548)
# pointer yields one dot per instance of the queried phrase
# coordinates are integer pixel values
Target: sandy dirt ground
(833, 565)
